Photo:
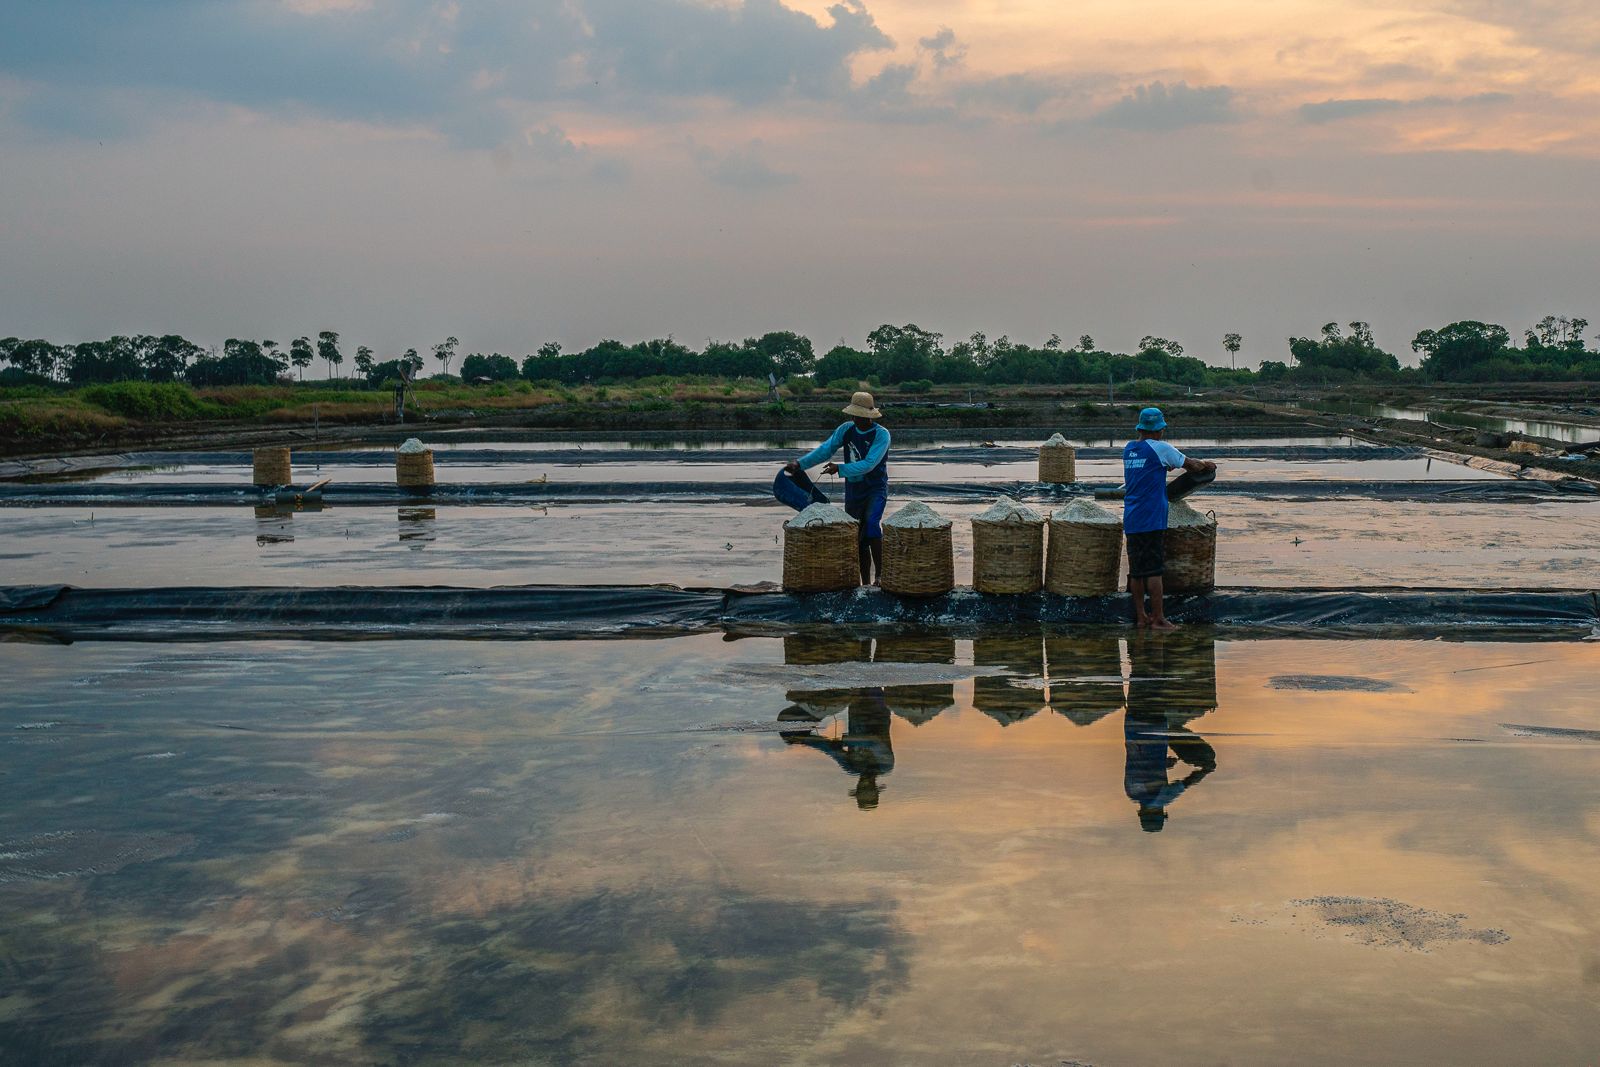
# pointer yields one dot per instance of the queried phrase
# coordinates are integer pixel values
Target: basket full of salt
(1191, 550)
(413, 465)
(1007, 549)
(918, 553)
(1085, 550)
(820, 551)
(1058, 461)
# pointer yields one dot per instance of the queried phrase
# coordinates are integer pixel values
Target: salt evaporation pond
(1272, 542)
(1082, 847)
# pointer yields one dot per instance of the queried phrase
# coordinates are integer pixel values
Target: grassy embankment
(43, 419)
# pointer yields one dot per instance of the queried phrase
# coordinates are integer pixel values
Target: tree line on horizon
(1554, 349)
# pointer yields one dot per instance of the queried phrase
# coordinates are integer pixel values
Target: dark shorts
(1147, 554)
(867, 509)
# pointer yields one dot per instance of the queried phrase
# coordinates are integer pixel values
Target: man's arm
(822, 451)
(1172, 459)
(875, 454)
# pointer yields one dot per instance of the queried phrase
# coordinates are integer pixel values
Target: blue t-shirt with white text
(1145, 464)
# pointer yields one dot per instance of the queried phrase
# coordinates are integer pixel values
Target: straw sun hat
(861, 406)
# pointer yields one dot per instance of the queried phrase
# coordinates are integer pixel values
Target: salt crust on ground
(821, 515)
(1006, 510)
(1085, 512)
(412, 447)
(917, 516)
(1179, 513)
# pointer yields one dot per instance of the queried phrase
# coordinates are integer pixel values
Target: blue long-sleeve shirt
(852, 471)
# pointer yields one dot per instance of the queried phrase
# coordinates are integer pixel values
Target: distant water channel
(1569, 432)
(1088, 846)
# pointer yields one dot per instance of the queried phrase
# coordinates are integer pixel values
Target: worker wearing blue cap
(1145, 463)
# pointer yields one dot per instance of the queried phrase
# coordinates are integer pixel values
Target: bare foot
(1163, 624)
(1141, 623)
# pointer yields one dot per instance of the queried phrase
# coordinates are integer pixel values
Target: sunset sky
(518, 171)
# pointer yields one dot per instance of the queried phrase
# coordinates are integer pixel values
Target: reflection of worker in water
(1160, 701)
(863, 750)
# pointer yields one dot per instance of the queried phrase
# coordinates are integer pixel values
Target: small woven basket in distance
(818, 556)
(414, 469)
(918, 558)
(1058, 464)
(1085, 553)
(270, 466)
(1191, 550)
(1008, 555)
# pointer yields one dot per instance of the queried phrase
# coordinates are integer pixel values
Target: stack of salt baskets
(1058, 461)
(1085, 551)
(1007, 549)
(819, 551)
(1191, 548)
(918, 555)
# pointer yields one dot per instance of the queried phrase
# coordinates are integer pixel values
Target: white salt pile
(820, 515)
(1179, 513)
(1056, 441)
(1008, 510)
(917, 516)
(412, 447)
(1086, 512)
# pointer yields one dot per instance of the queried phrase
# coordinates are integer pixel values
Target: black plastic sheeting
(369, 494)
(64, 613)
(478, 457)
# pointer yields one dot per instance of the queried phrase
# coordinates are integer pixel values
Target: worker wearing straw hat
(866, 475)
(1145, 463)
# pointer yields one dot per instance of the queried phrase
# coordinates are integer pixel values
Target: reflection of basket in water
(1085, 675)
(270, 466)
(920, 703)
(1173, 674)
(917, 560)
(1058, 463)
(814, 648)
(1008, 556)
(1085, 551)
(820, 557)
(1009, 698)
(1191, 550)
(414, 470)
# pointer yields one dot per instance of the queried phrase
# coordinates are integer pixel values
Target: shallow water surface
(1345, 543)
(1087, 846)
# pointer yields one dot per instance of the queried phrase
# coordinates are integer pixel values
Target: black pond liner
(377, 494)
(64, 613)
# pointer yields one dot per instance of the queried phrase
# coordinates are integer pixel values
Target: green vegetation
(149, 378)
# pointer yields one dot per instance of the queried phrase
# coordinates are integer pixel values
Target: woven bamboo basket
(413, 469)
(1084, 557)
(1009, 699)
(1525, 448)
(1008, 557)
(1058, 463)
(1191, 550)
(271, 466)
(821, 557)
(918, 561)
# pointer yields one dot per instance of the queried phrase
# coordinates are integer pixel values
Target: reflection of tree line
(1171, 679)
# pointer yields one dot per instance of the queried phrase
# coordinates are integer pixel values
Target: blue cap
(1151, 419)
